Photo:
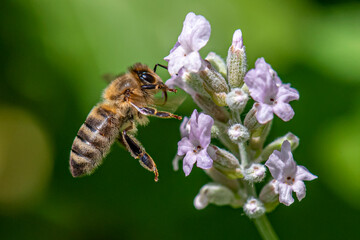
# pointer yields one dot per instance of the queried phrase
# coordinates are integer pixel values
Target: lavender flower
(270, 94)
(178, 80)
(289, 177)
(194, 36)
(194, 147)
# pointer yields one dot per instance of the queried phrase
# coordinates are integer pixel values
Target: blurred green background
(53, 54)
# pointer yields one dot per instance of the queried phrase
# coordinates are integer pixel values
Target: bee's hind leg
(135, 149)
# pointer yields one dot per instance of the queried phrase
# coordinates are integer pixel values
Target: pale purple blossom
(194, 147)
(185, 127)
(237, 41)
(289, 176)
(270, 94)
(177, 80)
(194, 36)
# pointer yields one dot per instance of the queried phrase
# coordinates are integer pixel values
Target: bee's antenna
(160, 65)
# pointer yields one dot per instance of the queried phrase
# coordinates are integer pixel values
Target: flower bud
(215, 131)
(269, 196)
(217, 194)
(258, 132)
(238, 133)
(194, 81)
(218, 98)
(219, 177)
(255, 173)
(213, 79)
(217, 62)
(225, 162)
(254, 208)
(276, 145)
(236, 61)
(214, 84)
(237, 99)
(259, 136)
(250, 122)
(210, 108)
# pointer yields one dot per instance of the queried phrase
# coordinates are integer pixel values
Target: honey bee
(126, 102)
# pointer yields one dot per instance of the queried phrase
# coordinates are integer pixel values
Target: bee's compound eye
(145, 76)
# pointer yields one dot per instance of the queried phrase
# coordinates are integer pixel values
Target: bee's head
(149, 80)
(145, 75)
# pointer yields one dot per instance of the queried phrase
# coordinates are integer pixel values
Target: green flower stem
(243, 155)
(265, 229)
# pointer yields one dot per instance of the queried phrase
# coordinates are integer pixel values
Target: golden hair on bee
(127, 101)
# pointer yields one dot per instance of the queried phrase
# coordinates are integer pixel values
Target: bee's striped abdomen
(93, 140)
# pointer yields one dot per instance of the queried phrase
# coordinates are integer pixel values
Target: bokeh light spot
(340, 155)
(26, 159)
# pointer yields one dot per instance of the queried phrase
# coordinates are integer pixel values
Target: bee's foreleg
(154, 112)
(133, 146)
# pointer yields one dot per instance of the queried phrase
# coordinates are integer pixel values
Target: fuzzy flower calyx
(270, 94)
(194, 147)
(194, 36)
(289, 177)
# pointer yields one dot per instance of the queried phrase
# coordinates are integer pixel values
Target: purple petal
(195, 33)
(285, 194)
(195, 131)
(205, 122)
(287, 94)
(176, 60)
(303, 174)
(264, 113)
(237, 40)
(203, 160)
(255, 84)
(176, 80)
(289, 169)
(275, 165)
(300, 189)
(185, 146)
(183, 128)
(188, 162)
(283, 111)
(193, 62)
(177, 44)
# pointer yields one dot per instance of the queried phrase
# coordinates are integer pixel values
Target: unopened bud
(221, 178)
(269, 195)
(254, 208)
(236, 61)
(213, 79)
(194, 81)
(238, 133)
(215, 131)
(259, 136)
(210, 108)
(258, 132)
(255, 173)
(217, 62)
(215, 193)
(276, 145)
(250, 122)
(214, 84)
(225, 162)
(218, 98)
(237, 99)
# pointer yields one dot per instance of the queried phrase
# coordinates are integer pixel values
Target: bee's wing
(172, 103)
(109, 77)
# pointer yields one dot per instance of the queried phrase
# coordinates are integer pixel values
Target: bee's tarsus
(160, 65)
